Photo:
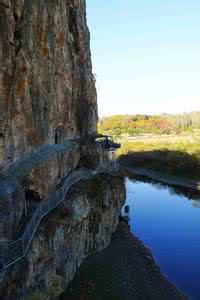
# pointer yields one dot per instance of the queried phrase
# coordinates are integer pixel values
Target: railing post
(28, 240)
(41, 211)
(23, 246)
(2, 255)
(9, 256)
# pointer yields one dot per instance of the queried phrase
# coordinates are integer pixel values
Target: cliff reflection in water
(173, 190)
(166, 220)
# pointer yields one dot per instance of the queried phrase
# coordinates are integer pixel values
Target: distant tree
(138, 124)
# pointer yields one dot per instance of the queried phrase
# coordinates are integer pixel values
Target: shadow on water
(190, 194)
(175, 163)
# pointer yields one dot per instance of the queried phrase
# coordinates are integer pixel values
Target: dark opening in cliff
(59, 135)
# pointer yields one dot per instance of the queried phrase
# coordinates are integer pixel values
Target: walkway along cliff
(57, 205)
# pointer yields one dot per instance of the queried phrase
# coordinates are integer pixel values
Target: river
(167, 220)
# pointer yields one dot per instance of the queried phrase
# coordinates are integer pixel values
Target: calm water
(169, 224)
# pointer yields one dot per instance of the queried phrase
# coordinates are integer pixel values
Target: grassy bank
(177, 157)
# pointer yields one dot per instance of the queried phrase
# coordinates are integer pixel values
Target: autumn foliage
(142, 124)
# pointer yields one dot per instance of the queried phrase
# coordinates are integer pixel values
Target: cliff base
(124, 270)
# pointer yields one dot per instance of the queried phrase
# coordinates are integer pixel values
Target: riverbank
(186, 183)
(124, 270)
(176, 160)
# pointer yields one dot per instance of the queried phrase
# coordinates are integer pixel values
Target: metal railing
(19, 168)
(11, 252)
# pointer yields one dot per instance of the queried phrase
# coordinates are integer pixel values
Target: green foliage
(53, 291)
(166, 143)
(142, 124)
(179, 158)
(55, 288)
(34, 296)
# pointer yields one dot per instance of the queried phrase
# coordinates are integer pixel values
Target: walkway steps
(11, 252)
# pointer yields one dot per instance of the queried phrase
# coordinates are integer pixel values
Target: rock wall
(81, 225)
(12, 205)
(47, 89)
(47, 94)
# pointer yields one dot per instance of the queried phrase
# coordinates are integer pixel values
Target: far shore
(172, 180)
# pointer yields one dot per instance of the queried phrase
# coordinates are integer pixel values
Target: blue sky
(146, 55)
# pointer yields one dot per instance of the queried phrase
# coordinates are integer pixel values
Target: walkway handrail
(11, 252)
(19, 168)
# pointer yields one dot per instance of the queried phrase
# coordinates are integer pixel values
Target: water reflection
(165, 218)
(196, 203)
(173, 190)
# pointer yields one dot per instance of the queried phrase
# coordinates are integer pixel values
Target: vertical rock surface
(47, 94)
(47, 90)
(80, 226)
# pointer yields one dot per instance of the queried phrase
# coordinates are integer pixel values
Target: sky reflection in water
(169, 224)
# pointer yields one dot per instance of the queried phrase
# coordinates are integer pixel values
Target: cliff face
(47, 90)
(47, 94)
(81, 225)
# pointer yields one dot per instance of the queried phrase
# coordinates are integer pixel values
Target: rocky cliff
(47, 90)
(81, 225)
(47, 94)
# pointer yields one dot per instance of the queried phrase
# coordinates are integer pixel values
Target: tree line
(131, 125)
